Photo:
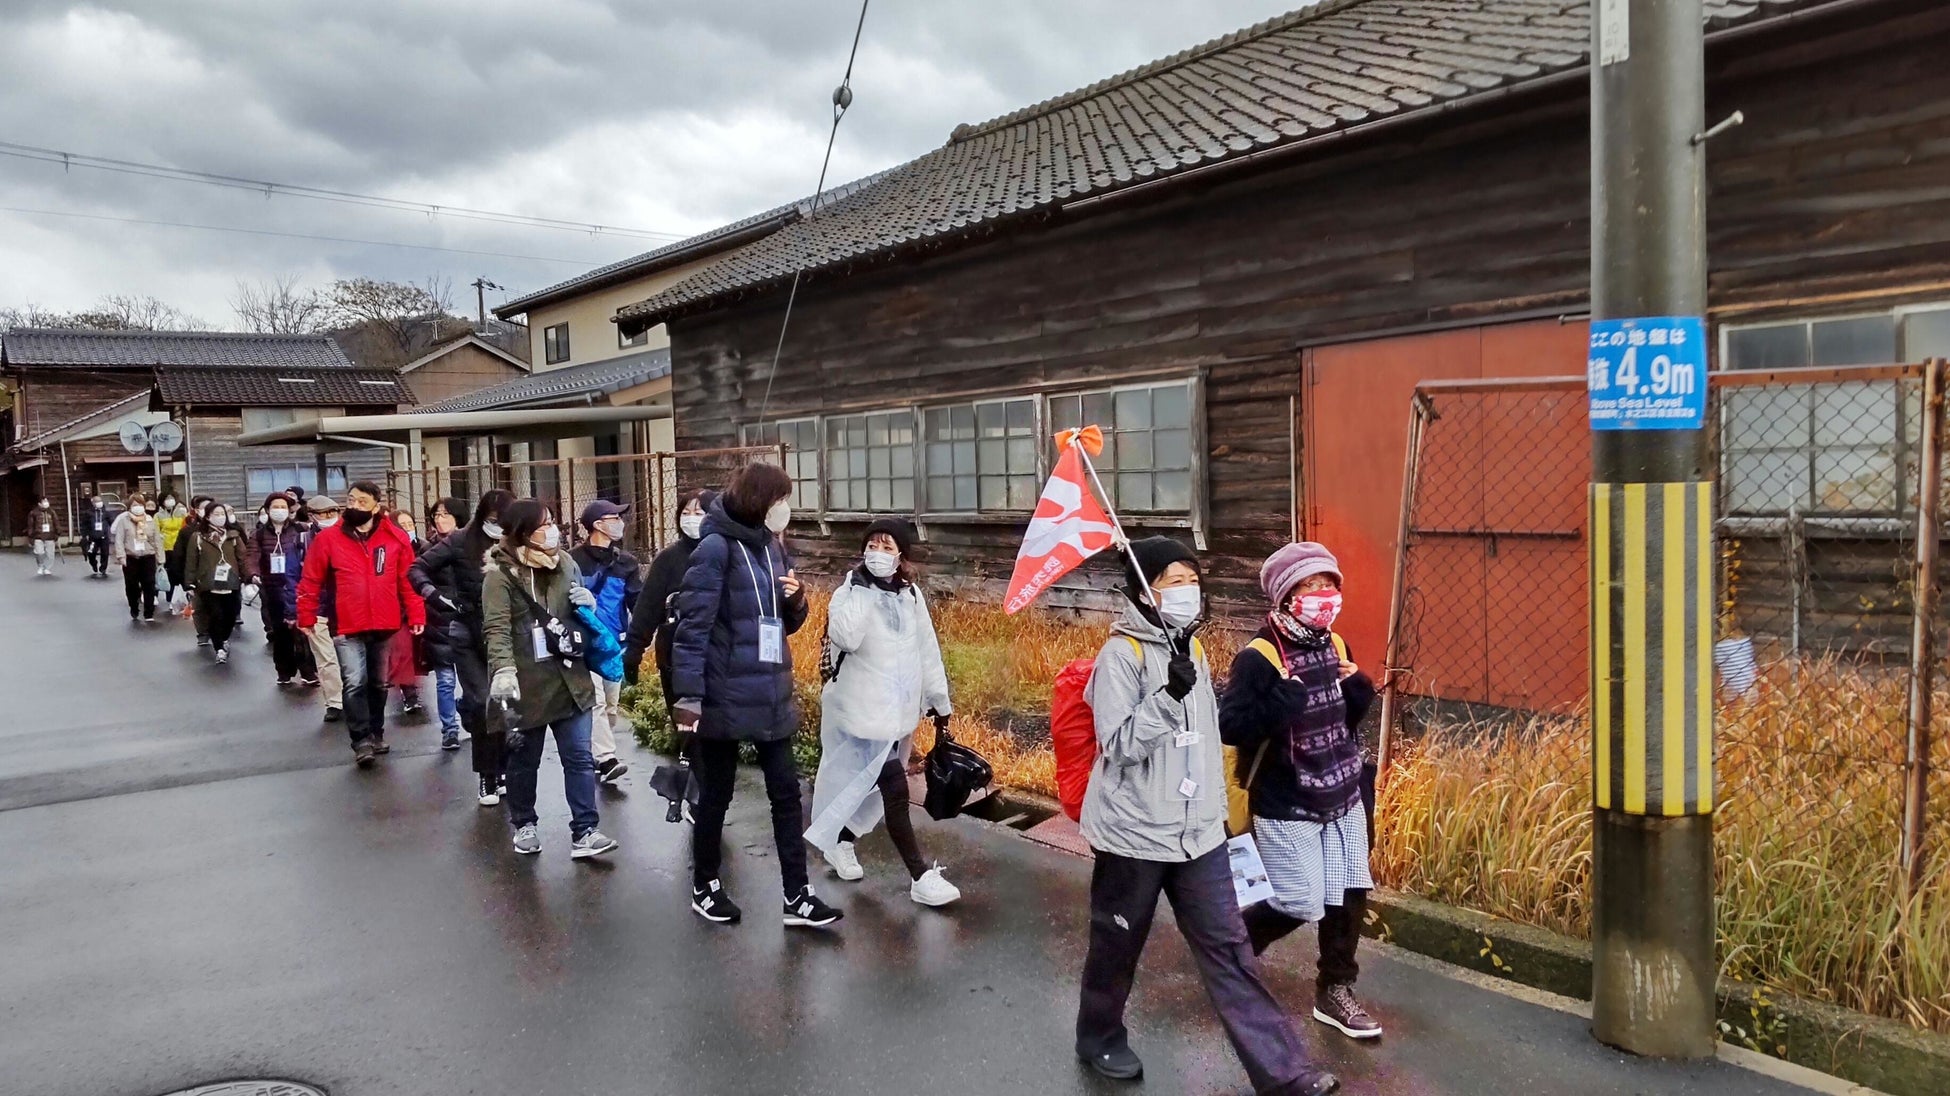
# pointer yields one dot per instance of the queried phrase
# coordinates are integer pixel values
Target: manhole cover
(252, 1089)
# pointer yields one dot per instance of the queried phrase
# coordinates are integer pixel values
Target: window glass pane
(1926, 335)
(334, 479)
(1133, 450)
(903, 457)
(1171, 449)
(964, 493)
(941, 493)
(993, 455)
(1867, 340)
(994, 493)
(880, 495)
(1022, 454)
(941, 459)
(839, 495)
(877, 430)
(963, 418)
(1854, 480)
(1022, 417)
(1863, 413)
(1134, 490)
(1097, 410)
(1767, 483)
(263, 481)
(935, 424)
(1065, 412)
(1761, 418)
(1134, 409)
(1781, 347)
(989, 419)
(1174, 491)
(856, 463)
(880, 463)
(904, 494)
(964, 457)
(1172, 406)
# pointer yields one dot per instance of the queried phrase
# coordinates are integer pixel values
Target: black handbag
(954, 774)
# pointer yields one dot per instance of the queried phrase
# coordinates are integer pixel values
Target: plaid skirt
(1313, 865)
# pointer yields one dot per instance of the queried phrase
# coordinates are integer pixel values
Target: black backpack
(954, 774)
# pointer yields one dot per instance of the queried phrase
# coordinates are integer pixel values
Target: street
(195, 885)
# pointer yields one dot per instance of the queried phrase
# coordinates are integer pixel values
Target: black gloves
(1181, 676)
(940, 721)
(632, 663)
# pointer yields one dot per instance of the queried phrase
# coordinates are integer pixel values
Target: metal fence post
(1922, 646)
(1421, 410)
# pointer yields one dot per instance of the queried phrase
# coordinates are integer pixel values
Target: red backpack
(1073, 728)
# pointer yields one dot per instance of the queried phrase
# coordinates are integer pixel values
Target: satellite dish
(165, 437)
(135, 437)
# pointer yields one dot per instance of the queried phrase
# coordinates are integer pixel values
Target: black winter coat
(450, 572)
(650, 619)
(732, 581)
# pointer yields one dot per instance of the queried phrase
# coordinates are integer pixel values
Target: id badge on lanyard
(277, 563)
(771, 629)
(539, 638)
(222, 574)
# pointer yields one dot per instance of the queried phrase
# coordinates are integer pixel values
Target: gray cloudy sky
(668, 115)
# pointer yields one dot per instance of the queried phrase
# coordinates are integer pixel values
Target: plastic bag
(954, 774)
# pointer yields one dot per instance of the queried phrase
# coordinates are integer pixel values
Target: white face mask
(612, 528)
(327, 523)
(280, 515)
(492, 528)
(551, 539)
(1179, 605)
(169, 504)
(138, 510)
(692, 525)
(219, 519)
(779, 516)
(46, 505)
(882, 564)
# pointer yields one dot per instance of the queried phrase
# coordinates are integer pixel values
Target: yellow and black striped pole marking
(1652, 647)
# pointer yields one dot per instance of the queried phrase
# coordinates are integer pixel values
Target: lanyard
(751, 569)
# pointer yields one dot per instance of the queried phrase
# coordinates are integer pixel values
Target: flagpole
(1117, 526)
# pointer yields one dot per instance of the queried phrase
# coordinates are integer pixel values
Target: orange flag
(1068, 527)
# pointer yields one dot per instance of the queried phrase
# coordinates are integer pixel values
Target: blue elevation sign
(1648, 373)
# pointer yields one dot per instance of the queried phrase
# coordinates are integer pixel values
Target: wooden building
(1240, 259)
(73, 389)
(460, 367)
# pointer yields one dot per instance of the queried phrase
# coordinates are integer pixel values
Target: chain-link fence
(1823, 476)
(650, 484)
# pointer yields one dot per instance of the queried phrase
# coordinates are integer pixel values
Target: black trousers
(139, 584)
(489, 742)
(1340, 935)
(900, 820)
(1123, 901)
(95, 548)
(218, 612)
(290, 650)
(716, 764)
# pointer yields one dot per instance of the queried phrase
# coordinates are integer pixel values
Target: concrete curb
(1882, 1054)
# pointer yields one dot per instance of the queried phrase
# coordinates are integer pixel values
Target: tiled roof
(1323, 69)
(682, 251)
(281, 387)
(567, 385)
(143, 349)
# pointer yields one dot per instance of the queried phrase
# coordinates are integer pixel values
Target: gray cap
(320, 502)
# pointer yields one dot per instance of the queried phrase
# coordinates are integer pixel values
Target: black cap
(1154, 554)
(598, 510)
(902, 532)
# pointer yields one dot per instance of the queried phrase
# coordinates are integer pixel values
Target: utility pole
(481, 286)
(1653, 969)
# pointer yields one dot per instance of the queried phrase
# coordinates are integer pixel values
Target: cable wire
(286, 235)
(295, 190)
(842, 98)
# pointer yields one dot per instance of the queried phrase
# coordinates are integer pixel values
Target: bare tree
(281, 306)
(116, 312)
(31, 315)
(399, 317)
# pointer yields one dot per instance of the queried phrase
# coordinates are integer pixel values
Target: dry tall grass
(1497, 818)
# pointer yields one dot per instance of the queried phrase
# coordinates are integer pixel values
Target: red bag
(1073, 735)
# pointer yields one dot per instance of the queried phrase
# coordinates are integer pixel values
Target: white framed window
(801, 440)
(1147, 464)
(982, 457)
(870, 462)
(266, 418)
(1836, 448)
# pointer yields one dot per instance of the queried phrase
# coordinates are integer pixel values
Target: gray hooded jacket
(1157, 791)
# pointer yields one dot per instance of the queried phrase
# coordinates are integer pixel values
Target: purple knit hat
(1284, 569)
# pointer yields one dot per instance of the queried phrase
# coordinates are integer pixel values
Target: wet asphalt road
(195, 885)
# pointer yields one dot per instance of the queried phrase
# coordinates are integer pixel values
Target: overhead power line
(296, 190)
(288, 235)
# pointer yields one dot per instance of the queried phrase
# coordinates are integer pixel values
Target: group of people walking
(502, 614)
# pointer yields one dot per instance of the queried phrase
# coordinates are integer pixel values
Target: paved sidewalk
(195, 885)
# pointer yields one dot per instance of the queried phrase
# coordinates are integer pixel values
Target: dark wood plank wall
(52, 397)
(219, 467)
(1834, 193)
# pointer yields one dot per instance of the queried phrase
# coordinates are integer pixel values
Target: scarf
(540, 559)
(1289, 626)
(1321, 751)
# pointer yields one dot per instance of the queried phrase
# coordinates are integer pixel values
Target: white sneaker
(223, 656)
(593, 843)
(933, 889)
(845, 864)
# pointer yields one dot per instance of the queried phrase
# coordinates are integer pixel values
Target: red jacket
(364, 578)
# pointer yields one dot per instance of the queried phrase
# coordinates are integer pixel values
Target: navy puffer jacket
(733, 580)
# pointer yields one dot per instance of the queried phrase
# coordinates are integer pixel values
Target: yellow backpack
(1239, 814)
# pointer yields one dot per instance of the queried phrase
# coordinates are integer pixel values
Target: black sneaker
(1121, 1064)
(362, 753)
(611, 770)
(202, 641)
(308, 682)
(284, 683)
(333, 715)
(380, 745)
(713, 904)
(805, 910)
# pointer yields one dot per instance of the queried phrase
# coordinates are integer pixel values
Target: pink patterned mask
(1318, 610)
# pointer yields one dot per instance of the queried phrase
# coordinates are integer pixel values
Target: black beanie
(902, 532)
(1154, 554)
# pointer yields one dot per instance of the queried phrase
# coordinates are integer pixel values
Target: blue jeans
(362, 662)
(578, 772)
(444, 681)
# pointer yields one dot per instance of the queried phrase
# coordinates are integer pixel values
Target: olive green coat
(550, 691)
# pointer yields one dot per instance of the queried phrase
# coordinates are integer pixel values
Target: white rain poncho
(890, 677)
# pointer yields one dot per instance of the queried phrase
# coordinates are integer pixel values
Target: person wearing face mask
(136, 543)
(171, 519)
(363, 562)
(614, 577)
(1291, 705)
(218, 566)
(278, 553)
(192, 522)
(1154, 814)
(95, 523)
(324, 514)
(449, 579)
(528, 598)
(883, 674)
(654, 616)
(740, 601)
(436, 643)
(45, 530)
